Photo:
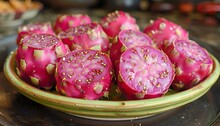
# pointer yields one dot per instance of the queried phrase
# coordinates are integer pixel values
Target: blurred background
(200, 17)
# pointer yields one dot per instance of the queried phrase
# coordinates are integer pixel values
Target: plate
(109, 110)
(12, 20)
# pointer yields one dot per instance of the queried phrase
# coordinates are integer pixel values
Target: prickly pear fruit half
(65, 21)
(86, 36)
(144, 72)
(192, 63)
(124, 40)
(34, 28)
(84, 74)
(116, 21)
(163, 32)
(36, 59)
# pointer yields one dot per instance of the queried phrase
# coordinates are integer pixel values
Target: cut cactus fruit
(64, 21)
(111, 59)
(36, 59)
(34, 28)
(163, 32)
(86, 36)
(144, 72)
(192, 63)
(124, 40)
(84, 74)
(116, 21)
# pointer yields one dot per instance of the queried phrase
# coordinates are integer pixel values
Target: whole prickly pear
(84, 74)
(34, 28)
(163, 32)
(36, 59)
(144, 72)
(87, 36)
(64, 21)
(192, 63)
(116, 21)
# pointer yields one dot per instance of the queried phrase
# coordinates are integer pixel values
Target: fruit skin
(36, 59)
(124, 40)
(86, 36)
(116, 21)
(163, 32)
(34, 28)
(66, 21)
(144, 72)
(84, 74)
(192, 63)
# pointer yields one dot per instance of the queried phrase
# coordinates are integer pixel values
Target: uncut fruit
(34, 28)
(144, 72)
(127, 39)
(116, 21)
(65, 21)
(84, 74)
(192, 63)
(86, 36)
(163, 32)
(36, 59)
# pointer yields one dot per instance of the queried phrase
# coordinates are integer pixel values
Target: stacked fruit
(84, 59)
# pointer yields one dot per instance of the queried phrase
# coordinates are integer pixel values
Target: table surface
(16, 109)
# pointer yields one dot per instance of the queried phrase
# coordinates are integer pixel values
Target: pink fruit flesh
(144, 72)
(87, 36)
(193, 63)
(64, 22)
(131, 38)
(36, 59)
(84, 74)
(163, 32)
(127, 39)
(116, 21)
(34, 28)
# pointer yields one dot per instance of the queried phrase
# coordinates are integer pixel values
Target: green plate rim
(110, 109)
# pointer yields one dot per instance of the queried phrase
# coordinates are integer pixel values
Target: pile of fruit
(83, 59)
(17, 6)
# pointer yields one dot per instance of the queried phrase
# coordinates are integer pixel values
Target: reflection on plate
(109, 110)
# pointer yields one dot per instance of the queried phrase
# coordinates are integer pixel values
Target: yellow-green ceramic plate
(109, 110)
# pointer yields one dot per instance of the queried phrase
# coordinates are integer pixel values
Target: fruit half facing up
(144, 72)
